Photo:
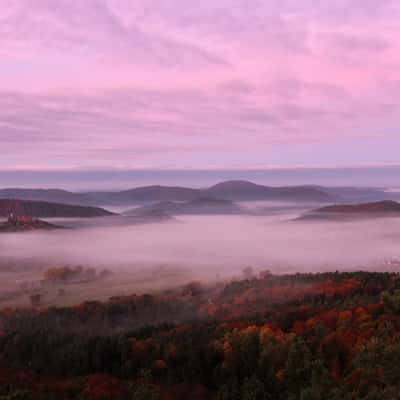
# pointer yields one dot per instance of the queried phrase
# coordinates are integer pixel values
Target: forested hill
(26, 224)
(335, 212)
(44, 209)
(305, 336)
(375, 207)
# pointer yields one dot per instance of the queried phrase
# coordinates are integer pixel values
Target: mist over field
(210, 246)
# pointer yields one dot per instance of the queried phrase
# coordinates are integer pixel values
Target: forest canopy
(303, 336)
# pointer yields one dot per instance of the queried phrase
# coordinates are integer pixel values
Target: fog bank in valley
(214, 246)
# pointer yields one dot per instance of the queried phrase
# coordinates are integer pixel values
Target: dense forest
(305, 336)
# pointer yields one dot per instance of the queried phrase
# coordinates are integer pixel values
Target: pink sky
(198, 84)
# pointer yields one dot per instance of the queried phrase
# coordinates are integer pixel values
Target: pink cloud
(95, 81)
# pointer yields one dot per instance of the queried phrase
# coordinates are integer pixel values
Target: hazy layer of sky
(198, 84)
(79, 180)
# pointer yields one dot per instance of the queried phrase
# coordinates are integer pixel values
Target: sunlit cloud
(178, 83)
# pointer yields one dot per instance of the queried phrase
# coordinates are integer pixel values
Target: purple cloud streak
(107, 82)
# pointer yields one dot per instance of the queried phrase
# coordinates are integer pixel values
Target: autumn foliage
(305, 336)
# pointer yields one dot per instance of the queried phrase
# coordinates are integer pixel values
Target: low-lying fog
(210, 245)
(166, 254)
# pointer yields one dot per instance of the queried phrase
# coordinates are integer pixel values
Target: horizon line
(211, 168)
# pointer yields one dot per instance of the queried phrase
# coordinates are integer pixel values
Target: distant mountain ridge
(49, 195)
(45, 209)
(199, 206)
(245, 190)
(144, 194)
(235, 190)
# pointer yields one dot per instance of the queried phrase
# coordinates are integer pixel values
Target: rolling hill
(26, 225)
(235, 190)
(143, 195)
(44, 209)
(229, 190)
(49, 195)
(200, 206)
(248, 191)
(385, 208)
